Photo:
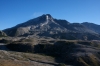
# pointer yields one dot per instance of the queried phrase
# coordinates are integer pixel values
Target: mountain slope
(47, 26)
(92, 26)
(40, 24)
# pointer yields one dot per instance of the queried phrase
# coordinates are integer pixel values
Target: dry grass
(65, 50)
(25, 59)
(94, 61)
(82, 62)
(12, 63)
(88, 61)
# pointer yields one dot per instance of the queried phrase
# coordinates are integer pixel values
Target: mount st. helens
(47, 26)
(30, 46)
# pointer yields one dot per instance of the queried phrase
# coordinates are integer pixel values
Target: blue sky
(13, 12)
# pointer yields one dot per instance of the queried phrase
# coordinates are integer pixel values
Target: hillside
(92, 26)
(50, 52)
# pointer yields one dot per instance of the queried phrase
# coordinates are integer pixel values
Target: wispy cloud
(36, 14)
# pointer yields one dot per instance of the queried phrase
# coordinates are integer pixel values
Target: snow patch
(47, 17)
(42, 24)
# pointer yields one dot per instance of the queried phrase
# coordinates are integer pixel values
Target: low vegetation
(5, 41)
(21, 47)
(77, 53)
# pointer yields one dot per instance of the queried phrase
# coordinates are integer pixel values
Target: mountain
(47, 26)
(92, 26)
(75, 51)
(2, 34)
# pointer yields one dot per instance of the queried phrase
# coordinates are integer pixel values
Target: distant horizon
(13, 12)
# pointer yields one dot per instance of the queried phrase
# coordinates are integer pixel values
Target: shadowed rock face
(47, 26)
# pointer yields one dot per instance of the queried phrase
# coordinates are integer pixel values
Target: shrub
(21, 47)
(5, 41)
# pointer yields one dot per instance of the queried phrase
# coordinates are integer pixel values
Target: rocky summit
(47, 26)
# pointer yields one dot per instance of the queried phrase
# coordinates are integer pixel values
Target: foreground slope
(53, 52)
(12, 58)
